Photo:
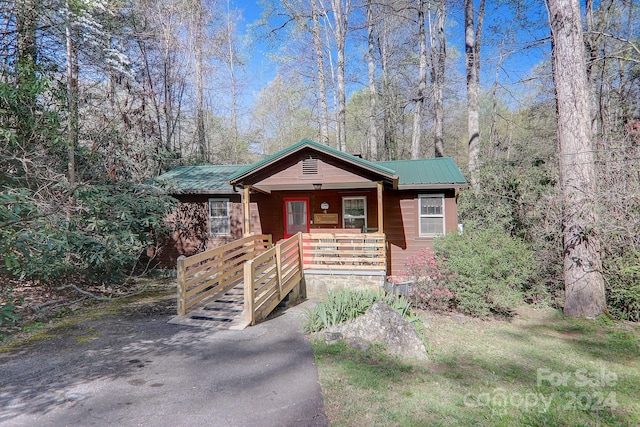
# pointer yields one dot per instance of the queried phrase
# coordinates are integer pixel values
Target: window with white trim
(219, 217)
(354, 212)
(431, 214)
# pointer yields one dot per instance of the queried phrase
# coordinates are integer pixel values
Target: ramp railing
(269, 277)
(216, 270)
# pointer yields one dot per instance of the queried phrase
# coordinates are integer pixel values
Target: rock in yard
(381, 324)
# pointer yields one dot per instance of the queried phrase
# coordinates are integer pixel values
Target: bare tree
(438, 62)
(473, 37)
(72, 92)
(198, 23)
(371, 74)
(322, 85)
(422, 84)
(583, 280)
(341, 10)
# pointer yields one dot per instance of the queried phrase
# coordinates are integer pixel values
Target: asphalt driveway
(138, 370)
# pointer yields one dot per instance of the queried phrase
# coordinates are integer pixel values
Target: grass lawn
(538, 369)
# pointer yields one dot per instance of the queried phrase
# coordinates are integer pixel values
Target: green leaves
(7, 314)
(101, 242)
(489, 271)
(344, 304)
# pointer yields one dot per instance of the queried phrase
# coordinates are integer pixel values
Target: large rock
(381, 324)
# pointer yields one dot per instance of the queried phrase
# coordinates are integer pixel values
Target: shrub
(429, 288)
(488, 271)
(7, 314)
(344, 304)
(101, 242)
(623, 285)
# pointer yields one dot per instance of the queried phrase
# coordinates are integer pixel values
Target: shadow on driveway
(133, 370)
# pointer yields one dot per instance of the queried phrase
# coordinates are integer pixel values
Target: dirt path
(136, 369)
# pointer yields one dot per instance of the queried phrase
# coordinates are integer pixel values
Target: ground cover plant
(346, 304)
(539, 369)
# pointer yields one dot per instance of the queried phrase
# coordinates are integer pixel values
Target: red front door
(296, 216)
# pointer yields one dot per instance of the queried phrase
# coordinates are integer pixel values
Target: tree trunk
(584, 284)
(198, 17)
(72, 97)
(373, 130)
(422, 85)
(438, 62)
(26, 24)
(322, 85)
(473, 37)
(341, 17)
(236, 151)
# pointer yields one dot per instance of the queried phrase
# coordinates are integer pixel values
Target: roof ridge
(317, 146)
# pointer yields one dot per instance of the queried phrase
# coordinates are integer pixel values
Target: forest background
(99, 96)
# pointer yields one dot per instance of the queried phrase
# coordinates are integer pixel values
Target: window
(219, 218)
(354, 212)
(431, 214)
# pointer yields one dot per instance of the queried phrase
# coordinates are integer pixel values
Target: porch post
(380, 209)
(246, 212)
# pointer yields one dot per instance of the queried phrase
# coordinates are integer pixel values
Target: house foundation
(319, 283)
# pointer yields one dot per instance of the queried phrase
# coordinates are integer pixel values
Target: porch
(241, 283)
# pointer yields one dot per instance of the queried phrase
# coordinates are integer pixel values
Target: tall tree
(371, 74)
(322, 85)
(341, 10)
(473, 37)
(438, 62)
(71, 35)
(198, 23)
(422, 84)
(583, 280)
(26, 16)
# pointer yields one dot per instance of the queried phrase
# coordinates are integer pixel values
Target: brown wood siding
(270, 208)
(401, 218)
(191, 221)
(327, 174)
(330, 170)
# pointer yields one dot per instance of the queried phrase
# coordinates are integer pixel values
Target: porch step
(222, 311)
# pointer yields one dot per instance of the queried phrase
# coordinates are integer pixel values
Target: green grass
(539, 369)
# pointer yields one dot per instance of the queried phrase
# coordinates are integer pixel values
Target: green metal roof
(319, 147)
(206, 179)
(439, 172)
(426, 172)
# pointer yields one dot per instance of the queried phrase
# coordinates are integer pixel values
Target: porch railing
(344, 251)
(269, 277)
(215, 270)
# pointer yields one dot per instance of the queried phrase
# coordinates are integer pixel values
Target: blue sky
(511, 38)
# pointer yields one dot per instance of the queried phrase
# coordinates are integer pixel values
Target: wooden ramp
(222, 311)
(240, 283)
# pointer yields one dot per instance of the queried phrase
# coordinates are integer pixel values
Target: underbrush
(38, 307)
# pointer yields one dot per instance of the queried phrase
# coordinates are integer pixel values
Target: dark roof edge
(441, 186)
(187, 191)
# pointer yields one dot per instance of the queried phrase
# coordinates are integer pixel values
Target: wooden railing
(344, 251)
(269, 277)
(216, 270)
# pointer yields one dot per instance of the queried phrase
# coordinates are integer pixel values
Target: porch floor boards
(221, 311)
